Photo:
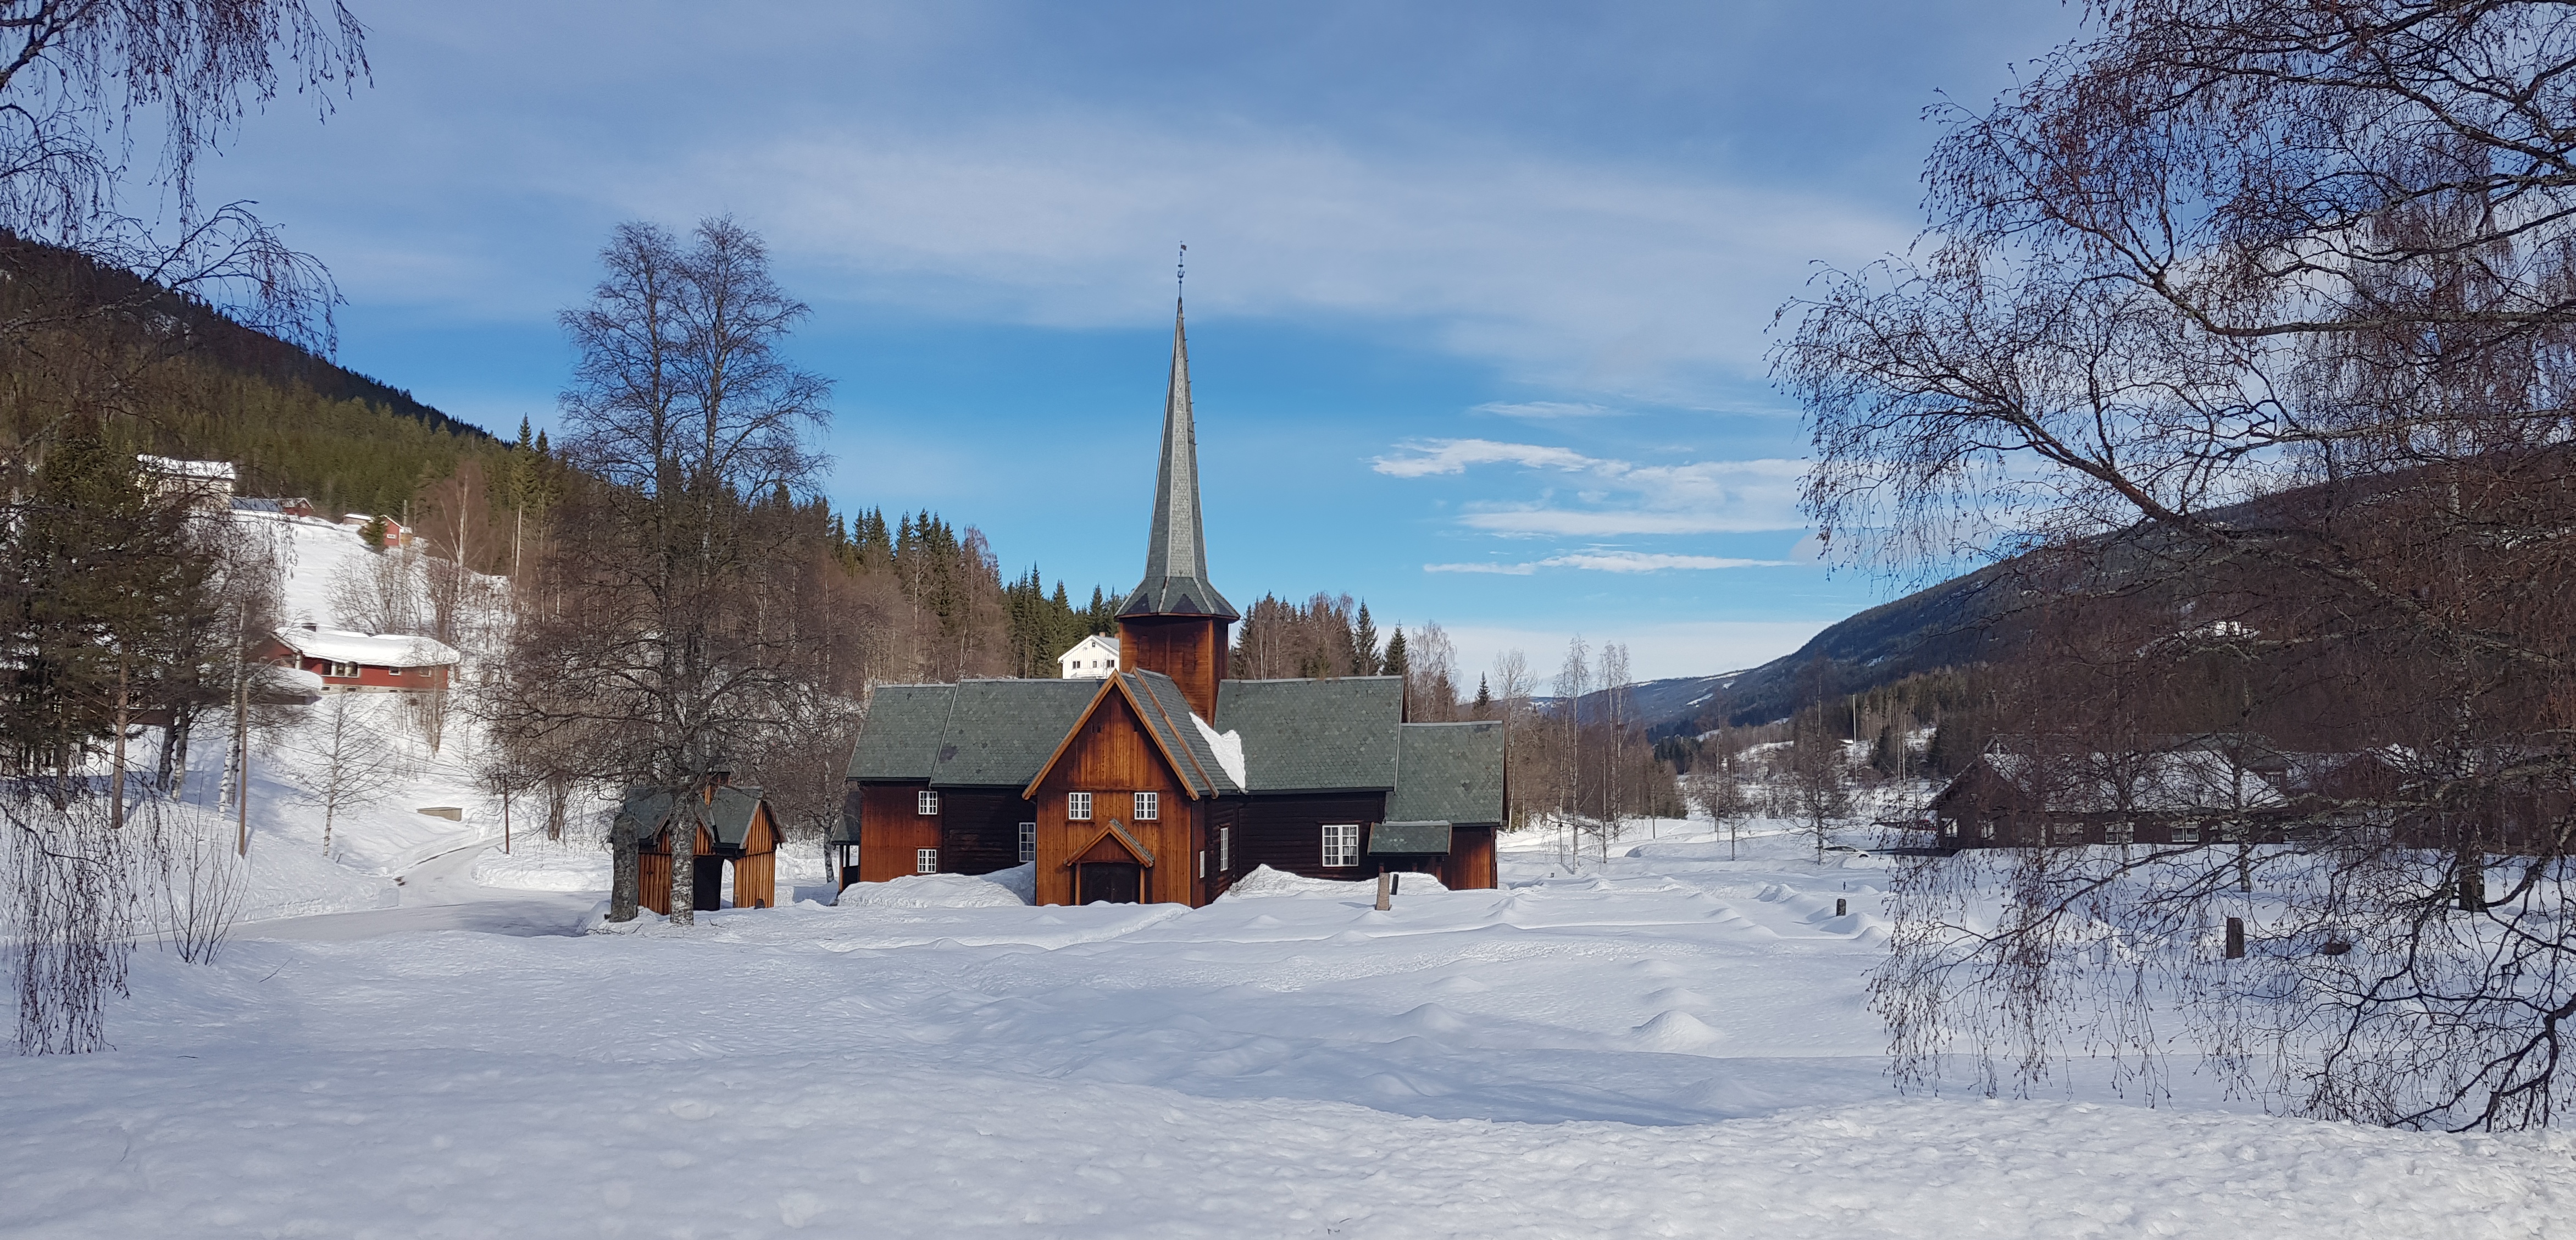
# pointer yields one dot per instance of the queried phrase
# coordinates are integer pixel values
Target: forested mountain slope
(180, 379)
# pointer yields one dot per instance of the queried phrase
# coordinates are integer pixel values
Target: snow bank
(944, 891)
(1264, 882)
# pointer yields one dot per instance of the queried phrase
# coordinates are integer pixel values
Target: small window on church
(1077, 806)
(925, 802)
(1149, 806)
(1225, 850)
(925, 861)
(1341, 844)
(1028, 841)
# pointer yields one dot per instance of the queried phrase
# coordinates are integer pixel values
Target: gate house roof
(728, 818)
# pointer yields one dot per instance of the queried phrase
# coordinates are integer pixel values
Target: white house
(1093, 658)
(201, 484)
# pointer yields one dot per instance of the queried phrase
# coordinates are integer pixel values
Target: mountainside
(183, 380)
(1961, 620)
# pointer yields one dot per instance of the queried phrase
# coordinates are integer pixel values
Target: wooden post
(2236, 938)
(1842, 907)
(505, 820)
(1385, 890)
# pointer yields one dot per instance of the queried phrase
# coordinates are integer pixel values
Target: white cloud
(1607, 562)
(1454, 456)
(1620, 497)
(1581, 276)
(1547, 410)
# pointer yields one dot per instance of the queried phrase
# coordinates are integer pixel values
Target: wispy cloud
(1547, 410)
(1617, 497)
(1606, 562)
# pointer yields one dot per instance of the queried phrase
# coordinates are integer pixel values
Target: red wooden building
(738, 830)
(1167, 781)
(347, 660)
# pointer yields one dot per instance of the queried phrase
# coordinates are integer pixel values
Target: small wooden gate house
(1167, 781)
(740, 830)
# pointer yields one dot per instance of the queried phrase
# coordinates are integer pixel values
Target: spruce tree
(1394, 663)
(1365, 660)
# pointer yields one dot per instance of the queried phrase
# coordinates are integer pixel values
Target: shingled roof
(1168, 714)
(728, 818)
(980, 734)
(1448, 772)
(900, 739)
(1315, 735)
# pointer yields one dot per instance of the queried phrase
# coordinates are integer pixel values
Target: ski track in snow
(1671, 1045)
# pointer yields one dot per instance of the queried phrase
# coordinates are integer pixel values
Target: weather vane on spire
(1181, 272)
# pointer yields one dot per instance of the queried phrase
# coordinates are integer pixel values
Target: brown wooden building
(739, 831)
(1166, 782)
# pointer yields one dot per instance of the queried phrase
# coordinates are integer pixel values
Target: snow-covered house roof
(2181, 781)
(199, 471)
(368, 649)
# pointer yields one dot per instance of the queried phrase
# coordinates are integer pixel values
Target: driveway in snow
(440, 894)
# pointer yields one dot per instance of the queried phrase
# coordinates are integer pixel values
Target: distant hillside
(189, 382)
(1962, 620)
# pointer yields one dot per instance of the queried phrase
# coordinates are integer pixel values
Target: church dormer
(1175, 623)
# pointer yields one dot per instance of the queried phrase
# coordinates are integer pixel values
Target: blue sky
(1478, 293)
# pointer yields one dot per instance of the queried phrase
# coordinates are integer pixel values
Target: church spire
(1176, 571)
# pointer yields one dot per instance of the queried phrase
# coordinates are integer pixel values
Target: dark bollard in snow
(1841, 907)
(1385, 890)
(2236, 938)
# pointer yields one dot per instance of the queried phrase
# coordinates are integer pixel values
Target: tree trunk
(626, 890)
(684, 861)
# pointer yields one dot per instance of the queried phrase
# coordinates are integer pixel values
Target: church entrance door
(1117, 882)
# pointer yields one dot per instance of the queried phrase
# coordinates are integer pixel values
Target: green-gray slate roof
(1314, 735)
(728, 817)
(1449, 772)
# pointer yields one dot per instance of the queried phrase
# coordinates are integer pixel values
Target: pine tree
(1365, 660)
(1484, 706)
(1394, 664)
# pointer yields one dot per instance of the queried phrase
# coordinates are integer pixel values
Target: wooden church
(1166, 782)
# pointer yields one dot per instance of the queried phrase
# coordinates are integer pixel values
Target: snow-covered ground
(1669, 1044)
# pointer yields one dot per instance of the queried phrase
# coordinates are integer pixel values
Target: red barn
(346, 660)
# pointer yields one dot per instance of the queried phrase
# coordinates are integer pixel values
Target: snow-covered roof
(2183, 781)
(372, 649)
(212, 471)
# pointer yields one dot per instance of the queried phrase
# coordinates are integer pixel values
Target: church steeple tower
(1175, 622)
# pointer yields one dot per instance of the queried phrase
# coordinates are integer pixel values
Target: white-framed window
(1028, 841)
(2121, 833)
(1077, 806)
(1985, 830)
(1203, 863)
(1341, 843)
(1225, 850)
(1149, 806)
(925, 861)
(925, 802)
(344, 670)
(2186, 835)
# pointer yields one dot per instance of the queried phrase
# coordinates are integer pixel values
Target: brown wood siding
(755, 881)
(1286, 832)
(1471, 860)
(655, 882)
(371, 676)
(1111, 757)
(979, 830)
(890, 831)
(1190, 650)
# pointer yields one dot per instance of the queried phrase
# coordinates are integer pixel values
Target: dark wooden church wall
(1286, 832)
(979, 829)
